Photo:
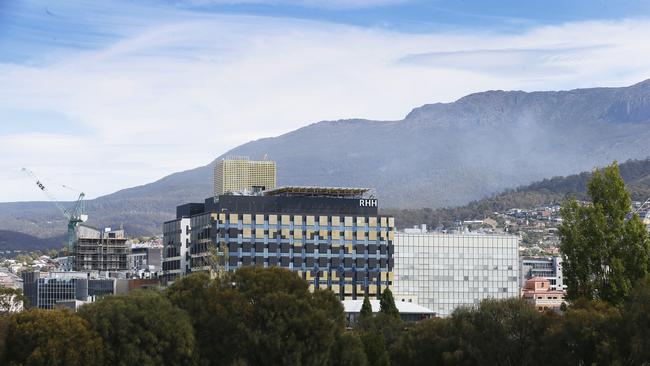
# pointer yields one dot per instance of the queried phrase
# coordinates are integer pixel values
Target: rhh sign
(368, 203)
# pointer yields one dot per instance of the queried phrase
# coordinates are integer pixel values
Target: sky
(106, 95)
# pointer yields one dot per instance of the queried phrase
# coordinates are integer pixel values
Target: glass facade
(444, 271)
(176, 240)
(549, 268)
(45, 292)
(350, 255)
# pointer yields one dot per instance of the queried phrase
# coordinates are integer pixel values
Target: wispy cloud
(558, 60)
(327, 4)
(169, 90)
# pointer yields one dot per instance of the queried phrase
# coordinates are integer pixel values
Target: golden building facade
(241, 174)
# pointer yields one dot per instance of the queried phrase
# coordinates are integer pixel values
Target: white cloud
(176, 95)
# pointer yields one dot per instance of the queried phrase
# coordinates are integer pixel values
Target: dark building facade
(332, 237)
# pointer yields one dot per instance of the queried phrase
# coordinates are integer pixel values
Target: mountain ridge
(439, 155)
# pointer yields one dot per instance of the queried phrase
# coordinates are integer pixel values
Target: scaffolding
(100, 251)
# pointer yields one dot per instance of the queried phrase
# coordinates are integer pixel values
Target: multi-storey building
(239, 174)
(332, 237)
(145, 260)
(445, 271)
(176, 243)
(97, 250)
(549, 268)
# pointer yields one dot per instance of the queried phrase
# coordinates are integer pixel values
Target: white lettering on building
(367, 203)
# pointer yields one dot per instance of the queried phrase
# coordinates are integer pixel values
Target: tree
(636, 325)
(143, 328)
(366, 308)
(50, 337)
(374, 345)
(604, 253)
(24, 258)
(264, 316)
(387, 304)
(11, 299)
(348, 351)
(511, 326)
(219, 315)
(430, 342)
(586, 334)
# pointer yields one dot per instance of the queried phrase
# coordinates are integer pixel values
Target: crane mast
(74, 215)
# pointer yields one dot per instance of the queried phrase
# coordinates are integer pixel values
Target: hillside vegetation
(636, 174)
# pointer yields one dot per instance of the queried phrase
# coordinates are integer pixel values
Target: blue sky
(122, 86)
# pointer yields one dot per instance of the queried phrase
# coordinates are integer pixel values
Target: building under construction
(97, 250)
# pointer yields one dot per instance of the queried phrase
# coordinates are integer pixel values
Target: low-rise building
(45, 290)
(408, 311)
(73, 289)
(537, 291)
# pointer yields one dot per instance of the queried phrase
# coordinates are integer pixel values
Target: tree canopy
(366, 308)
(261, 317)
(142, 328)
(10, 299)
(605, 250)
(50, 338)
(387, 304)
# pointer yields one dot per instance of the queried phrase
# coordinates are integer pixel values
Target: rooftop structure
(309, 191)
(408, 311)
(239, 174)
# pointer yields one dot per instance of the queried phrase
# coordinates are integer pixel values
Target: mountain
(12, 240)
(635, 173)
(439, 155)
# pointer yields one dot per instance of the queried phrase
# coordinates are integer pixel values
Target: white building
(407, 311)
(445, 271)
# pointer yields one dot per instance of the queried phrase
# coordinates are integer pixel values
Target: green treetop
(387, 304)
(366, 309)
(604, 249)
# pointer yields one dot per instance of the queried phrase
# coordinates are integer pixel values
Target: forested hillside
(636, 174)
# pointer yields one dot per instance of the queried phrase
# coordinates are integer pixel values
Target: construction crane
(74, 215)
